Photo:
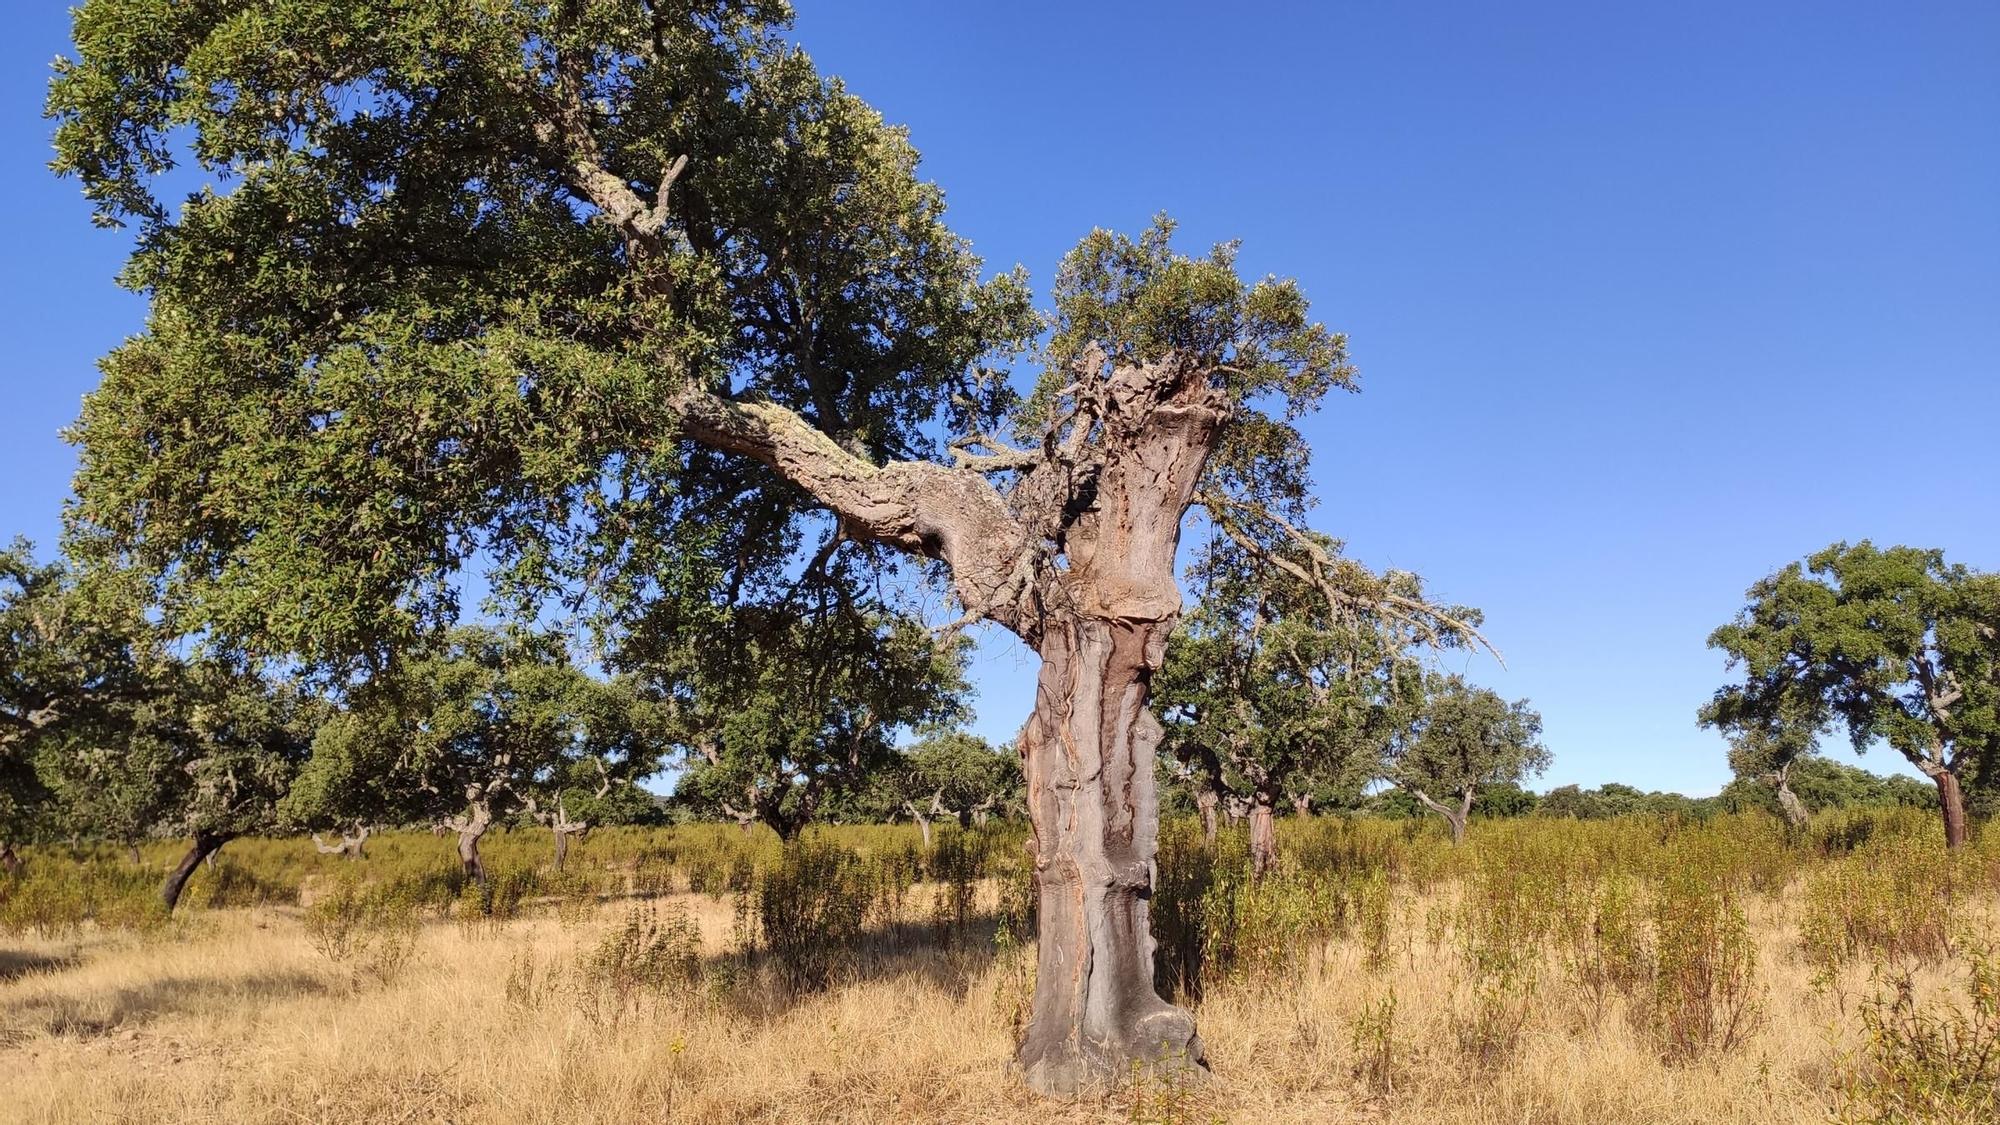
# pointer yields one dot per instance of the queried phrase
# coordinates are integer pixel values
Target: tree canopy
(1463, 738)
(1895, 644)
(476, 727)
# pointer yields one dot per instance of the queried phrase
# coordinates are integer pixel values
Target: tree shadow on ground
(935, 954)
(93, 1012)
(16, 963)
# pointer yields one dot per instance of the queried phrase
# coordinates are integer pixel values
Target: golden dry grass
(232, 1016)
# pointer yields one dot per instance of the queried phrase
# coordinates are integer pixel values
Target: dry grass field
(1429, 1000)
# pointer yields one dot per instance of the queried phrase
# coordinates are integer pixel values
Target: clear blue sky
(1647, 301)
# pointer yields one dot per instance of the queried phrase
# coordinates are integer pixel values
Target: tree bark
(1263, 836)
(132, 853)
(1457, 817)
(1206, 800)
(1088, 754)
(562, 850)
(1302, 805)
(1794, 809)
(1951, 803)
(471, 826)
(9, 862)
(206, 844)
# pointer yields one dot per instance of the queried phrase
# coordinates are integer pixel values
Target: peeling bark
(1206, 799)
(1796, 813)
(1088, 752)
(470, 827)
(1263, 836)
(205, 845)
(1951, 803)
(1107, 498)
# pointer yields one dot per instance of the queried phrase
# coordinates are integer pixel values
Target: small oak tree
(956, 774)
(1270, 691)
(1896, 644)
(467, 731)
(781, 710)
(1461, 739)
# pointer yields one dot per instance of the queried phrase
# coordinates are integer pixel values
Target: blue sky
(1646, 301)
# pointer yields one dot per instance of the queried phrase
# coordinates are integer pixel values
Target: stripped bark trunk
(1089, 752)
(1951, 803)
(205, 845)
(1263, 836)
(470, 827)
(1206, 800)
(1796, 813)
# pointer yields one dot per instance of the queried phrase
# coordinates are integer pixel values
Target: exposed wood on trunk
(1206, 799)
(1263, 835)
(1951, 803)
(204, 847)
(1795, 811)
(470, 826)
(923, 816)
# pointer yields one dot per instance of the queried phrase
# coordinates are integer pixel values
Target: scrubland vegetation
(1639, 969)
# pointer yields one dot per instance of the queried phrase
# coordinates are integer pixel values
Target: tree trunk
(1794, 809)
(924, 826)
(1463, 818)
(206, 844)
(1302, 805)
(1951, 802)
(468, 853)
(1457, 817)
(9, 862)
(1206, 800)
(562, 850)
(132, 853)
(1263, 836)
(1088, 753)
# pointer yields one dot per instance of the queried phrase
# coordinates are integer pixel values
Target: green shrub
(810, 907)
(1923, 1064)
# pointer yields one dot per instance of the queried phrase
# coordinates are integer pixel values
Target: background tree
(73, 659)
(1464, 738)
(580, 285)
(957, 774)
(1769, 756)
(468, 731)
(1270, 691)
(781, 709)
(1895, 644)
(1819, 783)
(240, 740)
